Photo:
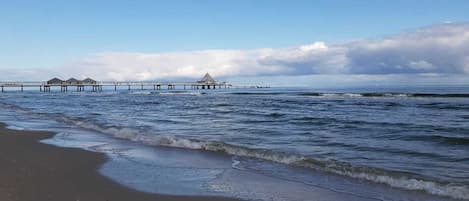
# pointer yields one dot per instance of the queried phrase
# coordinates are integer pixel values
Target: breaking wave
(179, 93)
(392, 178)
(256, 93)
(166, 93)
(435, 95)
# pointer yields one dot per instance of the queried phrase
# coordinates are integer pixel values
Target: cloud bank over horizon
(441, 49)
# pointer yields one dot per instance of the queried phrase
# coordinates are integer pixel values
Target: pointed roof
(54, 81)
(207, 78)
(72, 80)
(89, 80)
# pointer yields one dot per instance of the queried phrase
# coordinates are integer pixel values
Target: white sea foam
(450, 190)
(235, 164)
(180, 93)
(393, 179)
(405, 182)
(141, 92)
(397, 95)
(12, 127)
(381, 176)
(352, 95)
(341, 95)
(329, 94)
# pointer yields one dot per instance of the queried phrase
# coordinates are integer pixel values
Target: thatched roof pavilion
(55, 81)
(207, 79)
(89, 81)
(72, 81)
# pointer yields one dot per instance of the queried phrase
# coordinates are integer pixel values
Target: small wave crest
(256, 93)
(331, 94)
(449, 140)
(166, 93)
(392, 178)
(355, 94)
(180, 93)
(430, 95)
(141, 92)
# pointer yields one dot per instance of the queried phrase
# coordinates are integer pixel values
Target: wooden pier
(207, 82)
(98, 86)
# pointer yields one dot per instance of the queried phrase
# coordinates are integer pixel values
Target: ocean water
(266, 144)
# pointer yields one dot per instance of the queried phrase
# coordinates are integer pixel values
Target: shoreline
(33, 171)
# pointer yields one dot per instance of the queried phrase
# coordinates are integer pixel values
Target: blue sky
(53, 34)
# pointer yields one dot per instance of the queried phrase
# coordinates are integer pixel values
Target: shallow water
(307, 140)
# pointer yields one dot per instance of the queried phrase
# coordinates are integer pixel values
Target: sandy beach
(32, 171)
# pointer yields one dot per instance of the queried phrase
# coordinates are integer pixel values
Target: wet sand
(32, 171)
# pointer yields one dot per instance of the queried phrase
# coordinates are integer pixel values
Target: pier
(207, 82)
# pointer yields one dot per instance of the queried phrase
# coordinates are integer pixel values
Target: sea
(273, 144)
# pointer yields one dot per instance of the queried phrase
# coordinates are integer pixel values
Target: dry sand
(32, 171)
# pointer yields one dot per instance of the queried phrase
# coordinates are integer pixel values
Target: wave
(141, 92)
(441, 139)
(465, 116)
(442, 95)
(331, 94)
(435, 95)
(179, 93)
(166, 93)
(392, 178)
(276, 114)
(445, 106)
(257, 93)
(223, 105)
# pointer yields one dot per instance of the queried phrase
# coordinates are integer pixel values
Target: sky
(304, 43)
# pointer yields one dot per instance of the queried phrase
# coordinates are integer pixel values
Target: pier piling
(80, 88)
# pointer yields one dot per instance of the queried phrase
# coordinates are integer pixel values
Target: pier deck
(98, 86)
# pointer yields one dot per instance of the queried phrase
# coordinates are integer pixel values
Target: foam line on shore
(392, 178)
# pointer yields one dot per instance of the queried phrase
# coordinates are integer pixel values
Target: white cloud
(138, 66)
(423, 65)
(433, 50)
(314, 46)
